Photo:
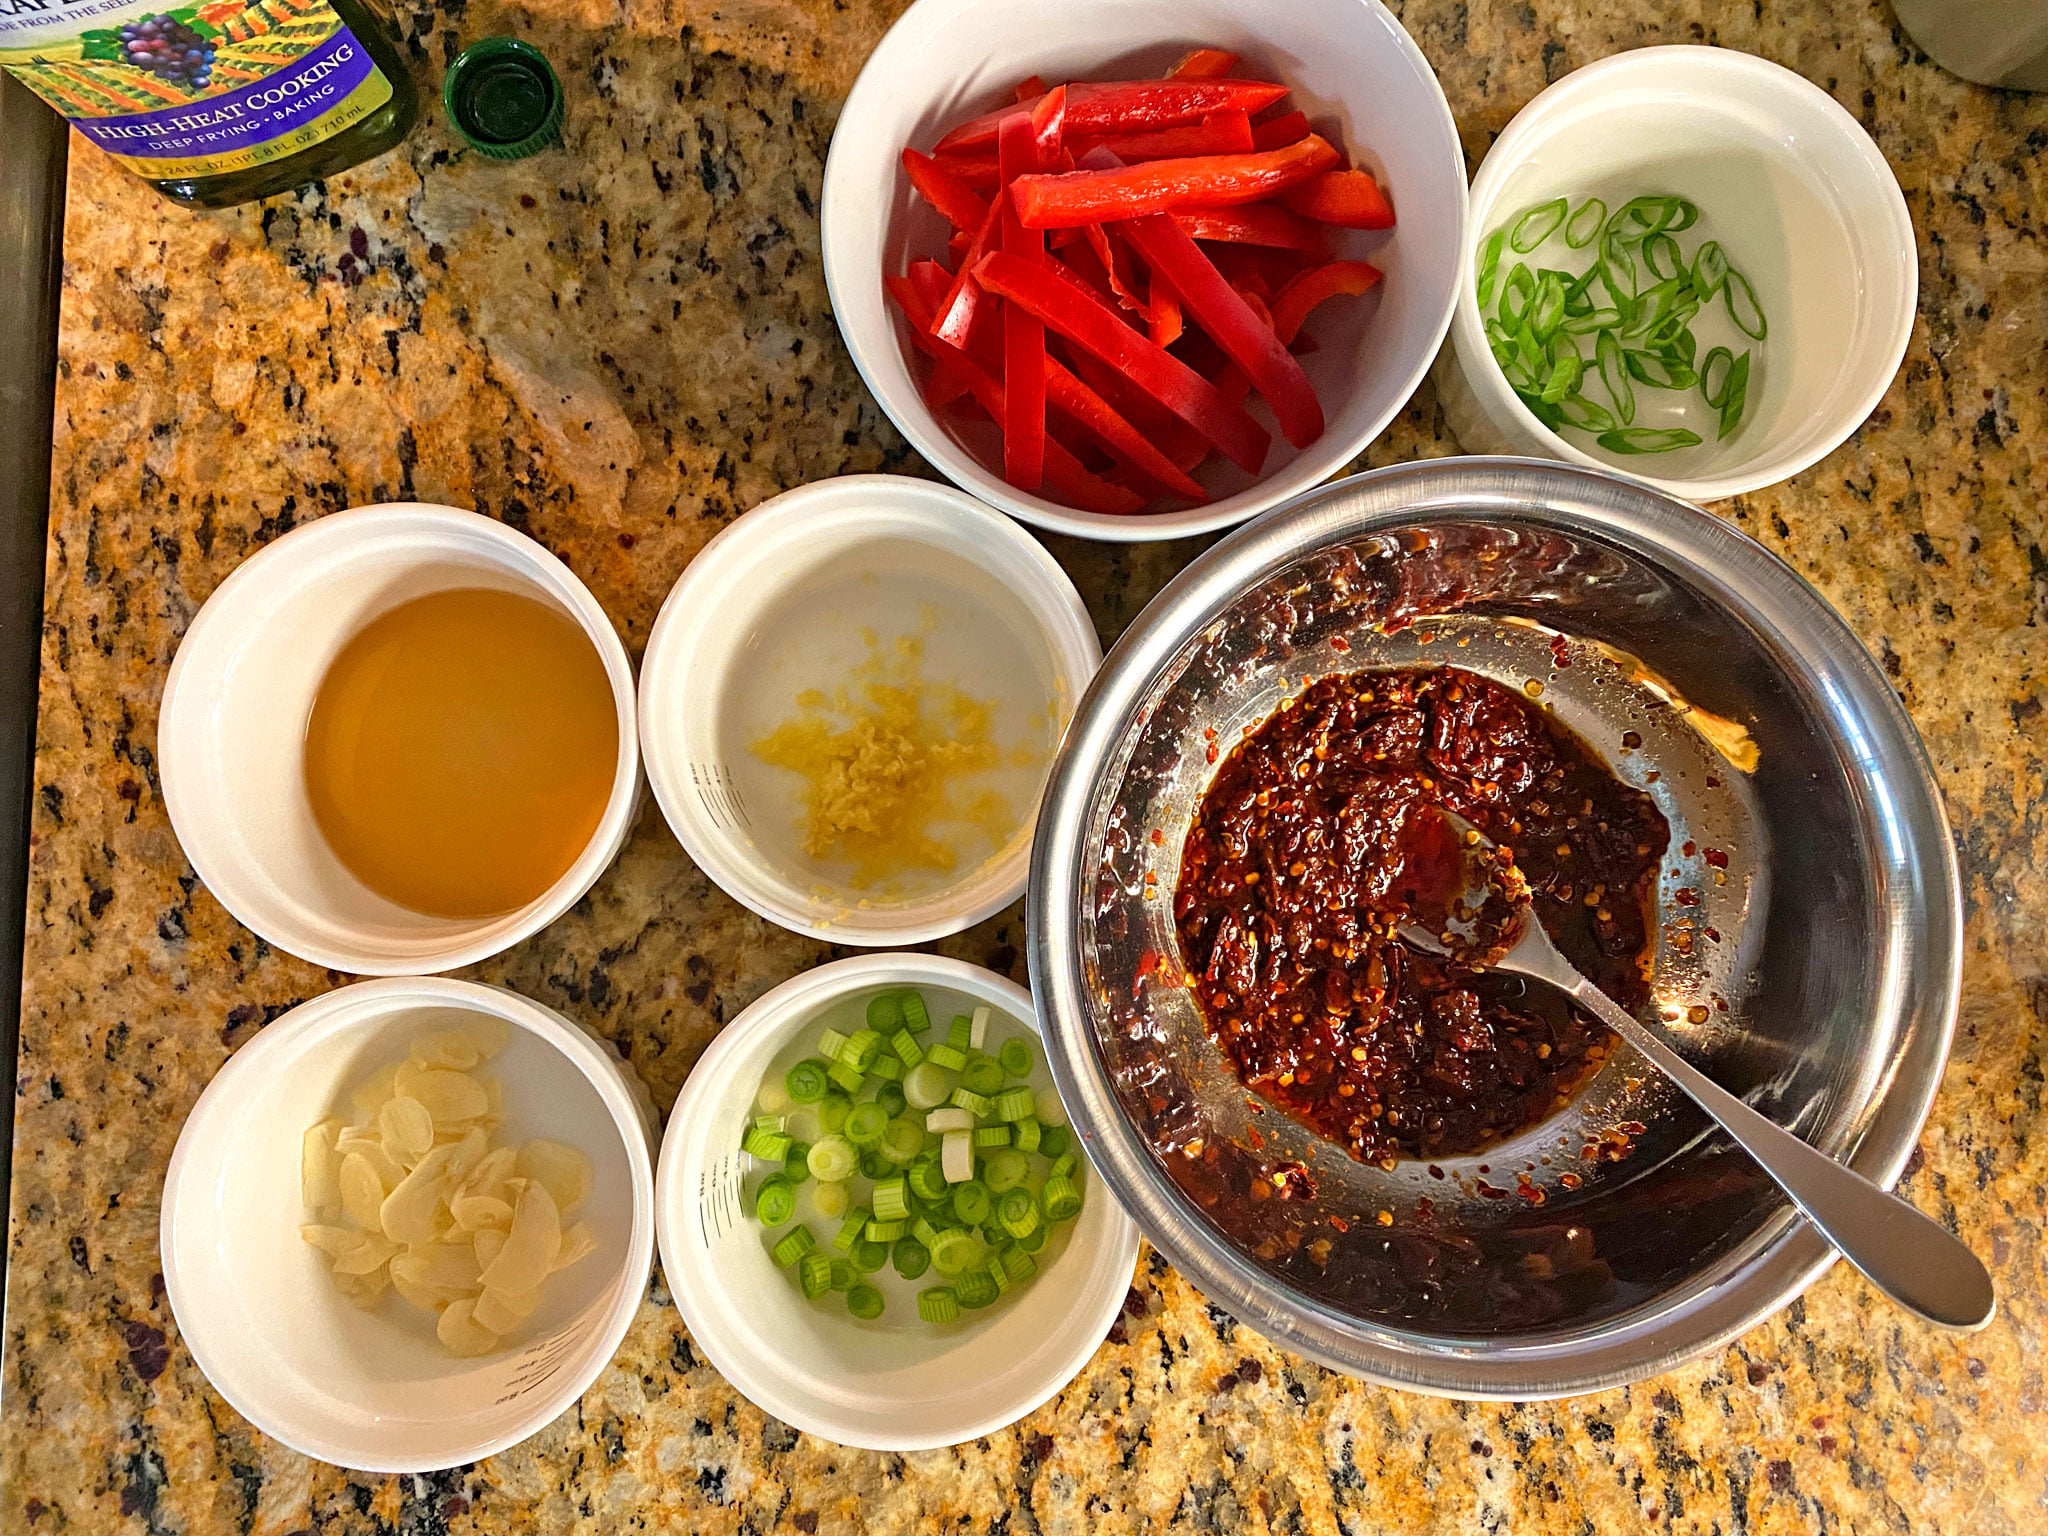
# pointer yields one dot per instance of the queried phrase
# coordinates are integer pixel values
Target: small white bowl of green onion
(872, 1212)
(1686, 263)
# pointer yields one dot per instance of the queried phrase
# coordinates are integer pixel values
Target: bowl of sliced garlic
(409, 1223)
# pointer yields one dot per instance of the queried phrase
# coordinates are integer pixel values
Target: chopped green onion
(1591, 320)
(874, 1165)
(832, 1201)
(1033, 1240)
(1709, 269)
(998, 1273)
(953, 1250)
(1547, 308)
(1615, 376)
(937, 1305)
(1734, 394)
(1017, 1057)
(977, 1028)
(832, 1160)
(991, 1136)
(1018, 1212)
(1579, 230)
(951, 1057)
(910, 1257)
(850, 1229)
(1006, 1169)
(1019, 1263)
(774, 1202)
(971, 1202)
(974, 1103)
(907, 1050)
(975, 1288)
(1489, 265)
(862, 1049)
(832, 1112)
(1564, 376)
(892, 1199)
(832, 1045)
(1028, 1132)
(844, 1274)
(879, 1231)
(950, 1118)
(1743, 308)
(1061, 1200)
(984, 1074)
(927, 1084)
(1520, 287)
(925, 1231)
(1537, 225)
(869, 1255)
(960, 1033)
(815, 1275)
(1647, 439)
(1658, 371)
(956, 1156)
(850, 1078)
(887, 1068)
(902, 1140)
(885, 1012)
(771, 1123)
(916, 1018)
(794, 1244)
(1672, 264)
(928, 1181)
(796, 1162)
(1064, 1165)
(805, 1082)
(1585, 414)
(1053, 1139)
(864, 1302)
(892, 1099)
(769, 1146)
(865, 1125)
(1016, 1104)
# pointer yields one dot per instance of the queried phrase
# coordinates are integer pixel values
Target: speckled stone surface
(619, 348)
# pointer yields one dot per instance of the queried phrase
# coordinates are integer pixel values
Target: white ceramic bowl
(231, 736)
(894, 1384)
(779, 603)
(1354, 70)
(1796, 193)
(256, 1305)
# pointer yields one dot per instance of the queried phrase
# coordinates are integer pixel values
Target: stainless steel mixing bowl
(1807, 956)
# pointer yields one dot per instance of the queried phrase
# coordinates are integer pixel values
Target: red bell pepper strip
(1279, 132)
(1068, 477)
(1065, 305)
(1023, 332)
(1164, 321)
(932, 282)
(1126, 106)
(1350, 198)
(954, 319)
(1292, 303)
(1220, 133)
(1231, 323)
(1030, 88)
(1116, 266)
(1256, 224)
(957, 246)
(962, 207)
(1165, 186)
(948, 380)
(1048, 127)
(1202, 64)
(978, 171)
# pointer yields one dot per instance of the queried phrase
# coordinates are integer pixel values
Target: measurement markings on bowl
(720, 796)
(718, 1204)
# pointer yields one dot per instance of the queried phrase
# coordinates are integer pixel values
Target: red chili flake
(1158, 837)
(1560, 652)
(1339, 644)
(1148, 963)
(1210, 755)
(1716, 859)
(1686, 896)
(1689, 848)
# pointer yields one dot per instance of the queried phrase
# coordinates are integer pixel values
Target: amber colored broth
(461, 751)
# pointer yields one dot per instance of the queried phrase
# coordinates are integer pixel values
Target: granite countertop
(620, 347)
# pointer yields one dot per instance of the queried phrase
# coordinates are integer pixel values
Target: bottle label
(196, 90)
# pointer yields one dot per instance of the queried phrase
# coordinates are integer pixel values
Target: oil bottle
(219, 102)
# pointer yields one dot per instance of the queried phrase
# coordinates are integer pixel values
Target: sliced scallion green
(864, 1301)
(1053, 1139)
(850, 1229)
(951, 1057)
(975, 1288)
(910, 1258)
(805, 1082)
(844, 1274)
(1734, 395)
(832, 1045)
(885, 1012)
(937, 1306)
(984, 1074)
(1489, 265)
(891, 1097)
(971, 1202)
(793, 1245)
(907, 1050)
(1018, 1212)
(902, 1139)
(989, 1137)
(960, 1033)
(865, 1125)
(1537, 225)
(832, 1112)
(892, 1199)
(848, 1078)
(1583, 225)
(1743, 308)
(1060, 1198)
(869, 1255)
(976, 1104)
(953, 1250)
(1028, 1132)
(814, 1274)
(915, 1018)
(1647, 439)
(1006, 1168)
(1017, 1057)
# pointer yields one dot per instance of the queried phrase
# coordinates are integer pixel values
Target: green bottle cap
(503, 98)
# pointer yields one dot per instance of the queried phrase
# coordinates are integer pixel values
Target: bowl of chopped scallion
(1686, 263)
(873, 1214)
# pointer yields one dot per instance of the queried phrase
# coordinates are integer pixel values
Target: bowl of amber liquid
(1453, 1181)
(399, 740)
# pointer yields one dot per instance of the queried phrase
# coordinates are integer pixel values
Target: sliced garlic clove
(503, 1311)
(531, 1245)
(456, 1049)
(476, 1213)
(450, 1097)
(371, 1253)
(562, 1168)
(332, 1241)
(407, 1129)
(415, 1292)
(471, 1150)
(489, 1243)
(364, 1290)
(362, 1190)
(320, 1167)
(461, 1334)
(368, 1096)
(408, 1212)
(447, 1266)
(577, 1243)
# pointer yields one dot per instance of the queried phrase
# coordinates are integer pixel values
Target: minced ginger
(882, 758)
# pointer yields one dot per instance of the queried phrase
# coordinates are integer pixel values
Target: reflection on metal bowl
(1806, 953)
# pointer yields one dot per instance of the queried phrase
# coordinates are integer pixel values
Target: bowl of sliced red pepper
(1143, 270)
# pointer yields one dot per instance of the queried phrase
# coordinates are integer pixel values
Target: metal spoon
(1909, 1256)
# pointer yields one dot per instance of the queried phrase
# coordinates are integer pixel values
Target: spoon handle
(1909, 1256)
